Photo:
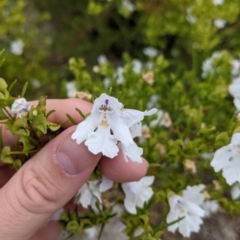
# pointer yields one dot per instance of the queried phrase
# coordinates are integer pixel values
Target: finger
(43, 185)
(49, 232)
(119, 170)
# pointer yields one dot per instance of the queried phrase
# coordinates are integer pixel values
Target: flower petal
(130, 206)
(106, 184)
(102, 141)
(132, 116)
(221, 158)
(84, 128)
(132, 152)
(147, 181)
(172, 216)
(231, 172)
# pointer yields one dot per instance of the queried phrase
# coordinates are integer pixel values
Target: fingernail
(74, 158)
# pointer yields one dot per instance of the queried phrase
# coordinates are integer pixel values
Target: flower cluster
(189, 209)
(109, 124)
(136, 193)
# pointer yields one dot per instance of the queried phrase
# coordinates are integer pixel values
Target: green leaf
(24, 89)
(71, 119)
(11, 86)
(5, 155)
(72, 226)
(20, 127)
(53, 126)
(80, 113)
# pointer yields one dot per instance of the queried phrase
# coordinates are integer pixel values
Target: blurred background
(39, 37)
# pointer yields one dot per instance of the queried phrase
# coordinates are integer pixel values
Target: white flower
(219, 23)
(227, 159)
(36, 83)
(128, 5)
(20, 107)
(71, 89)
(16, 47)
(137, 193)
(236, 102)
(89, 194)
(119, 75)
(235, 67)
(150, 52)
(235, 191)
(207, 66)
(218, 2)
(190, 17)
(102, 59)
(210, 207)
(107, 124)
(186, 206)
(137, 66)
(234, 88)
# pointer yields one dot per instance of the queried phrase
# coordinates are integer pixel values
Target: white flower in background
(163, 119)
(190, 166)
(20, 107)
(119, 75)
(185, 206)
(137, 66)
(71, 89)
(210, 207)
(89, 194)
(137, 193)
(107, 124)
(16, 47)
(128, 5)
(219, 23)
(153, 101)
(207, 65)
(190, 17)
(106, 83)
(227, 159)
(218, 2)
(102, 59)
(235, 191)
(150, 52)
(113, 230)
(234, 88)
(236, 102)
(36, 83)
(235, 67)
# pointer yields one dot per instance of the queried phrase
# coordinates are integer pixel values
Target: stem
(21, 152)
(7, 114)
(101, 231)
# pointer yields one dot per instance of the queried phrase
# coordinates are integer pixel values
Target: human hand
(52, 177)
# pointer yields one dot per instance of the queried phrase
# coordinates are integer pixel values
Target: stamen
(106, 101)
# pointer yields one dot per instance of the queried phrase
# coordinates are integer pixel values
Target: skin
(30, 196)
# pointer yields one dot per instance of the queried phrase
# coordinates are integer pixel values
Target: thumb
(43, 185)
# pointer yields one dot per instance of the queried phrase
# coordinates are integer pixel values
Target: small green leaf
(49, 113)
(11, 86)
(72, 226)
(24, 89)
(53, 126)
(80, 113)
(71, 119)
